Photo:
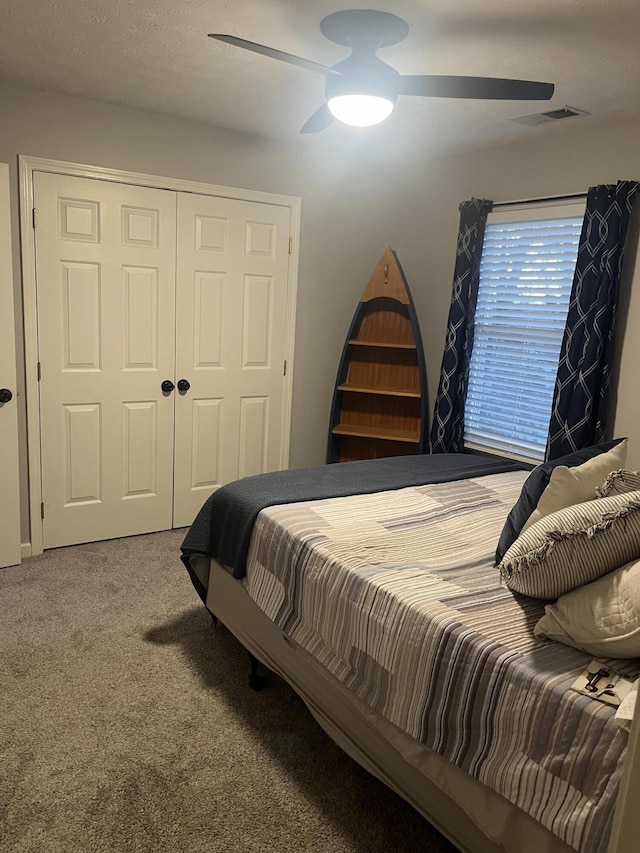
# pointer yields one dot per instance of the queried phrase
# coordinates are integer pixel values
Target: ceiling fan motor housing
(363, 75)
(364, 27)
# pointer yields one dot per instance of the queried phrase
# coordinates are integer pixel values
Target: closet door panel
(105, 260)
(233, 262)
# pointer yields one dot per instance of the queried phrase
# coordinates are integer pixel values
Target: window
(526, 272)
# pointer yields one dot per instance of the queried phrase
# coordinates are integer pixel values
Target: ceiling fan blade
(492, 88)
(275, 54)
(321, 119)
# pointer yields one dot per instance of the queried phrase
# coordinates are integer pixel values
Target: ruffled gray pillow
(619, 483)
(574, 546)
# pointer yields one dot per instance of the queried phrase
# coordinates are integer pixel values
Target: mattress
(394, 595)
(472, 816)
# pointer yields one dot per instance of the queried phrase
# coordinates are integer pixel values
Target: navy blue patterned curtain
(447, 427)
(578, 414)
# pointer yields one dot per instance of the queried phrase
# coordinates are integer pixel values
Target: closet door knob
(183, 385)
(6, 395)
(167, 386)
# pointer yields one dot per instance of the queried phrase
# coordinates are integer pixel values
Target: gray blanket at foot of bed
(222, 528)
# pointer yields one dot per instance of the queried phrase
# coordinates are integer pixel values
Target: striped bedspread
(395, 593)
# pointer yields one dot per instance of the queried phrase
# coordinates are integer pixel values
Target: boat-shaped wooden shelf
(379, 402)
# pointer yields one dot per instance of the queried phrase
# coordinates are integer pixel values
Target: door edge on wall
(27, 165)
(10, 529)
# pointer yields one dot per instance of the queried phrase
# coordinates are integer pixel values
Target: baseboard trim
(25, 550)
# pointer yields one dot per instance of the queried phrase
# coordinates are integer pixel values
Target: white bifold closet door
(231, 310)
(162, 332)
(105, 269)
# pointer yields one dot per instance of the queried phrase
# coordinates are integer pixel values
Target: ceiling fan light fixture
(362, 89)
(360, 110)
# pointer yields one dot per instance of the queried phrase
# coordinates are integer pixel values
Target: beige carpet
(127, 725)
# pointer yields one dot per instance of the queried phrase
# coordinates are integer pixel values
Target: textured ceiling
(155, 55)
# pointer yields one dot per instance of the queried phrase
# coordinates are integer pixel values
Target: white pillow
(569, 486)
(574, 546)
(601, 618)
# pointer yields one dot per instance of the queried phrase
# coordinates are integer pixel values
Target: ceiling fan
(362, 89)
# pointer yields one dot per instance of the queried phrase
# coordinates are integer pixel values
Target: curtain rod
(564, 197)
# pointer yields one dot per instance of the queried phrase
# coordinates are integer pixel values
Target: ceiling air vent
(549, 115)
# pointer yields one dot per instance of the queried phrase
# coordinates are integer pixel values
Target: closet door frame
(29, 165)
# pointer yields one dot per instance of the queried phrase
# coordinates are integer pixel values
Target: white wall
(343, 233)
(552, 159)
(356, 201)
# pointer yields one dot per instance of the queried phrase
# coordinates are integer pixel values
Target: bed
(371, 588)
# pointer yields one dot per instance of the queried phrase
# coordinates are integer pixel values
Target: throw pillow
(534, 486)
(569, 486)
(601, 618)
(574, 546)
(618, 483)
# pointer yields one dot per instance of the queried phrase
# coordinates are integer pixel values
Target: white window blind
(526, 273)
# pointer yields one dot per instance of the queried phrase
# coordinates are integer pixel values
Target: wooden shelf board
(386, 344)
(387, 392)
(377, 432)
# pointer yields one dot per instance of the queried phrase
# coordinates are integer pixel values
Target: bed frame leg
(214, 620)
(256, 681)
